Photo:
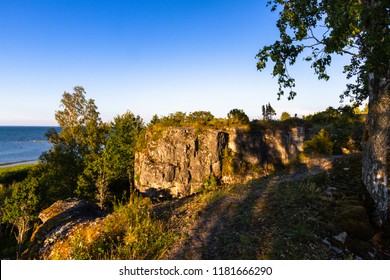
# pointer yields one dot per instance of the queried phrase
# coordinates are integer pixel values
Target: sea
(22, 144)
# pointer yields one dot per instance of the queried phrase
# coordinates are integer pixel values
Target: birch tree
(318, 30)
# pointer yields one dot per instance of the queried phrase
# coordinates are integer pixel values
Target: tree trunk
(375, 148)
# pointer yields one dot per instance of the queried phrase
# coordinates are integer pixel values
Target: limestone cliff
(178, 162)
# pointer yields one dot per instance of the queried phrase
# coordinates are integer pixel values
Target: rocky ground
(310, 211)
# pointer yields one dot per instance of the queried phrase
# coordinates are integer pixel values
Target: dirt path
(237, 223)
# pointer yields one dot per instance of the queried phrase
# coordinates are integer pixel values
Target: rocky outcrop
(178, 162)
(60, 221)
(267, 145)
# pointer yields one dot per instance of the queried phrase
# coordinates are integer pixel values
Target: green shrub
(320, 144)
(129, 233)
(237, 116)
(210, 183)
(18, 173)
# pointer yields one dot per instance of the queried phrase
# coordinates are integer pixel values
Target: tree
(119, 153)
(318, 30)
(72, 161)
(237, 116)
(20, 210)
(285, 116)
(201, 117)
(268, 112)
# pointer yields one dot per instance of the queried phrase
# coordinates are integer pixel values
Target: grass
(278, 219)
(16, 173)
(128, 233)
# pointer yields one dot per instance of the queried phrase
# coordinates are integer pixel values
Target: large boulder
(60, 221)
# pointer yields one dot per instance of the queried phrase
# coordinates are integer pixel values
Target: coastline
(9, 164)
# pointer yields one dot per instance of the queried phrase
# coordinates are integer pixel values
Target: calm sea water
(22, 143)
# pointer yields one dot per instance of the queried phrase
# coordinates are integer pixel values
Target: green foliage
(268, 112)
(320, 144)
(200, 120)
(173, 119)
(237, 116)
(130, 233)
(330, 115)
(211, 183)
(285, 116)
(117, 163)
(318, 29)
(20, 209)
(344, 126)
(71, 164)
(201, 117)
(18, 173)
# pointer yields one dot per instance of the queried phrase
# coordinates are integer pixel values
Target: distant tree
(237, 116)
(268, 112)
(174, 119)
(202, 117)
(117, 166)
(20, 210)
(360, 29)
(154, 119)
(285, 116)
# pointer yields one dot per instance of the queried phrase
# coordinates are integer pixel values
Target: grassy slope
(287, 217)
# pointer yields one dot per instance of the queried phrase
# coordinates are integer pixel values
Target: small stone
(341, 237)
(328, 193)
(326, 242)
(336, 250)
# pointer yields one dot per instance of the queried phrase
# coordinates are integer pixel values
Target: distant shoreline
(7, 164)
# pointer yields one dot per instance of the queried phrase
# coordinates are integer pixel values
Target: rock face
(59, 221)
(178, 162)
(276, 146)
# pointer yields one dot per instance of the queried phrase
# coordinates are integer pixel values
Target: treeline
(94, 160)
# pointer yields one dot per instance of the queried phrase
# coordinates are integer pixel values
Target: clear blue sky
(146, 56)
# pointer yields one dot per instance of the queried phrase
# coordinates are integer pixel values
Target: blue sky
(146, 56)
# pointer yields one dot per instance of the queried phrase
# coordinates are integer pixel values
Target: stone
(341, 237)
(336, 250)
(326, 242)
(59, 221)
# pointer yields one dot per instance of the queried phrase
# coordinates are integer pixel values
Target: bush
(201, 117)
(320, 144)
(210, 183)
(129, 233)
(18, 173)
(237, 116)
